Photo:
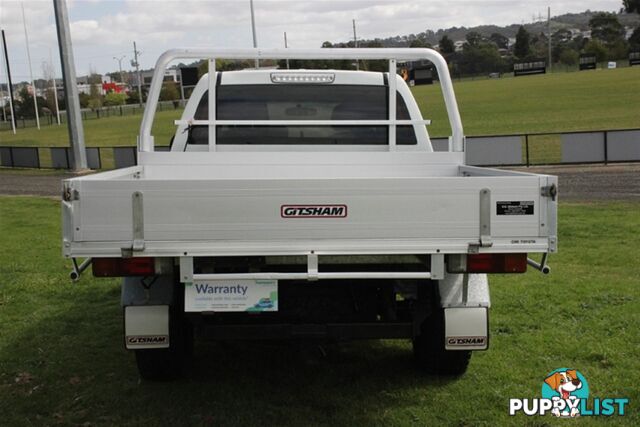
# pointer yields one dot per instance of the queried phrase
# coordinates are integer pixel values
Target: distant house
(628, 31)
(172, 75)
(458, 45)
(575, 32)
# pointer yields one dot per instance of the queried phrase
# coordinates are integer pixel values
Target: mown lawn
(62, 360)
(103, 132)
(557, 102)
(588, 100)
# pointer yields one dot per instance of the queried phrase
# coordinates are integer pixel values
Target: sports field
(559, 102)
(62, 360)
(593, 100)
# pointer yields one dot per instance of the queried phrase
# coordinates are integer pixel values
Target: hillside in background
(578, 21)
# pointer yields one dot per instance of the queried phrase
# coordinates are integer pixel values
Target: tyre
(167, 364)
(429, 348)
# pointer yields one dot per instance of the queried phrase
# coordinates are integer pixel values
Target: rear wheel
(429, 346)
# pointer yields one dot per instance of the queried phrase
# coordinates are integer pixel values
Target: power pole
(35, 90)
(253, 31)
(355, 43)
(285, 46)
(7, 70)
(136, 64)
(120, 66)
(76, 132)
(55, 87)
(549, 31)
(4, 113)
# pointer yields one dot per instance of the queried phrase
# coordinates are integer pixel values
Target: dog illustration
(564, 383)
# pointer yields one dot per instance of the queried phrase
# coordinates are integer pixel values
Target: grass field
(602, 99)
(62, 360)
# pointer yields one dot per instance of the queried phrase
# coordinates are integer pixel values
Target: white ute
(306, 204)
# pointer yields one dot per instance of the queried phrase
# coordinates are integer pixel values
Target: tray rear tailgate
(440, 211)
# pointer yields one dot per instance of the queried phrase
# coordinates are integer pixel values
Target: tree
(606, 28)
(480, 59)
(634, 40)
(169, 92)
(24, 104)
(114, 98)
(501, 41)
(50, 95)
(419, 43)
(95, 97)
(473, 38)
(446, 45)
(568, 57)
(561, 36)
(631, 5)
(539, 46)
(597, 49)
(522, 48)
(84, 100)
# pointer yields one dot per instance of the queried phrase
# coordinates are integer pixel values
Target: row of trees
(493, 54)
(94, 99)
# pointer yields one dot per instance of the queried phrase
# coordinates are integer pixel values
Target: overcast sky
(103, 29)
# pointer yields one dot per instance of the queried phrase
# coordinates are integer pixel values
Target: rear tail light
(117, 267)
(487, 263)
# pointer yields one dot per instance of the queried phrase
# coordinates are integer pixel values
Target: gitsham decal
(143, 340)
(466, 341)
(514, 208)
(313, 211)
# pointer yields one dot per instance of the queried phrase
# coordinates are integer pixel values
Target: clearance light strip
(302, 78)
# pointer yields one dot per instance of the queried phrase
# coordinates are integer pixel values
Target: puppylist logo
(565, 393)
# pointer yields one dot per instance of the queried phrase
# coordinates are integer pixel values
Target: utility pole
(76, 132)
(55, 87)
(120, 66)
(4, 113)
(286, 46)
(549, 31)
(7, 70)
(355, 43)
(253, 31)
(136, 64)
(35, 90)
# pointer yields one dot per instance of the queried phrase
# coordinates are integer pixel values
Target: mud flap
(147, 306)
(466, 328)
(146, 327)
(465, 300)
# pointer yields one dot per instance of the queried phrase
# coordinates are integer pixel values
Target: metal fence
(604, 146)
(551, 148)
(89, 114)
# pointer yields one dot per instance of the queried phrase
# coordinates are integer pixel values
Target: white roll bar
(145, 140)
